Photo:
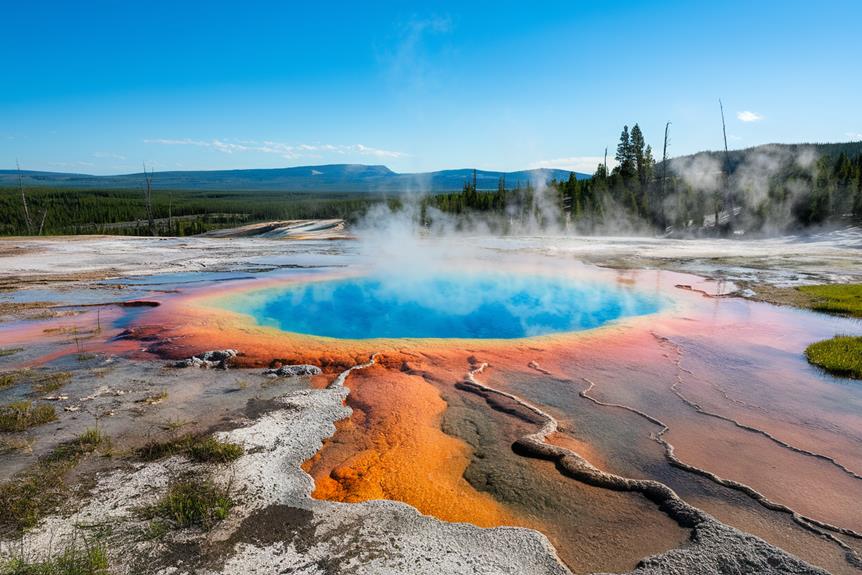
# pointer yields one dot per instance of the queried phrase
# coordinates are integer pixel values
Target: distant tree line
(175, 213)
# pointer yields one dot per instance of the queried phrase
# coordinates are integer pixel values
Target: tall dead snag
(662, 191)
(27, 221)
(42, 222)
(728, 196)
(148, 198)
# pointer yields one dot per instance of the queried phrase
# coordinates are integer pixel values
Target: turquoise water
(450, 306)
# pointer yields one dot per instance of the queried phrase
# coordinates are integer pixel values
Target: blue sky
(102, 86)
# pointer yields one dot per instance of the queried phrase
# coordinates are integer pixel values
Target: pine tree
(624, 155)
(500, 196)
(637, 153)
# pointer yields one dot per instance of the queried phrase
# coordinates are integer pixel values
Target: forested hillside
(773, 189)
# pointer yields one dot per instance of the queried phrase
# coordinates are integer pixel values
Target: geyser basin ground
(465, 305)
(415, 434)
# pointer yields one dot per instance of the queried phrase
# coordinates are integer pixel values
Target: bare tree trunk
(148, 196)
(27, 219)
(42, 223)
(728, 196)
(663, 171)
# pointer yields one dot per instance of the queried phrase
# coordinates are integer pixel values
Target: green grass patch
(40, 382)
(87, 442)
(87, 559)
(7, 351)
(50, 382)
(191, 502)
(9, 379)
(21, 415)
(198, 448)
(212, 450)
(31, 495)
(841, 355)
(840, 299)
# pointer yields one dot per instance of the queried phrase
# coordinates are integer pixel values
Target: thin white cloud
(109, 155)
(287, 151)
(583, 164)
(417, 53)
(747, 116)
(854, 135)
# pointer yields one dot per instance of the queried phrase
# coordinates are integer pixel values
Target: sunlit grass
(51, 382)
(841, 299)
(9, 379)
(40, 382)
(197, 448)
(191, 502)
(87, 559)
(21, 415)
(212, 450)
(87, 442)
(841, 355)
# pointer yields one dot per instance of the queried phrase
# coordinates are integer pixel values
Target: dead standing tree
(27, 221)
(662, 190)
(728, 196)
(148, 198)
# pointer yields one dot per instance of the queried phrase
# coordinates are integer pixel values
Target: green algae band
(477, 306)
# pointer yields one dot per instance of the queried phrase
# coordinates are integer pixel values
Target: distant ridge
(324, 178)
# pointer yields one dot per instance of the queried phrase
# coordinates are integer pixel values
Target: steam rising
(753, 183)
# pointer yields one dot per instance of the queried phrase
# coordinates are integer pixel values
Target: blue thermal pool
(480, 306)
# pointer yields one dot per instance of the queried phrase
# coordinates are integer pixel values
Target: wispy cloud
(411, 61)
(854, 135)
(747, 116)
(583, 164)
(287, 151)
(108, 155)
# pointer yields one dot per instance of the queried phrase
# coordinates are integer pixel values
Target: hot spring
(480, 306)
